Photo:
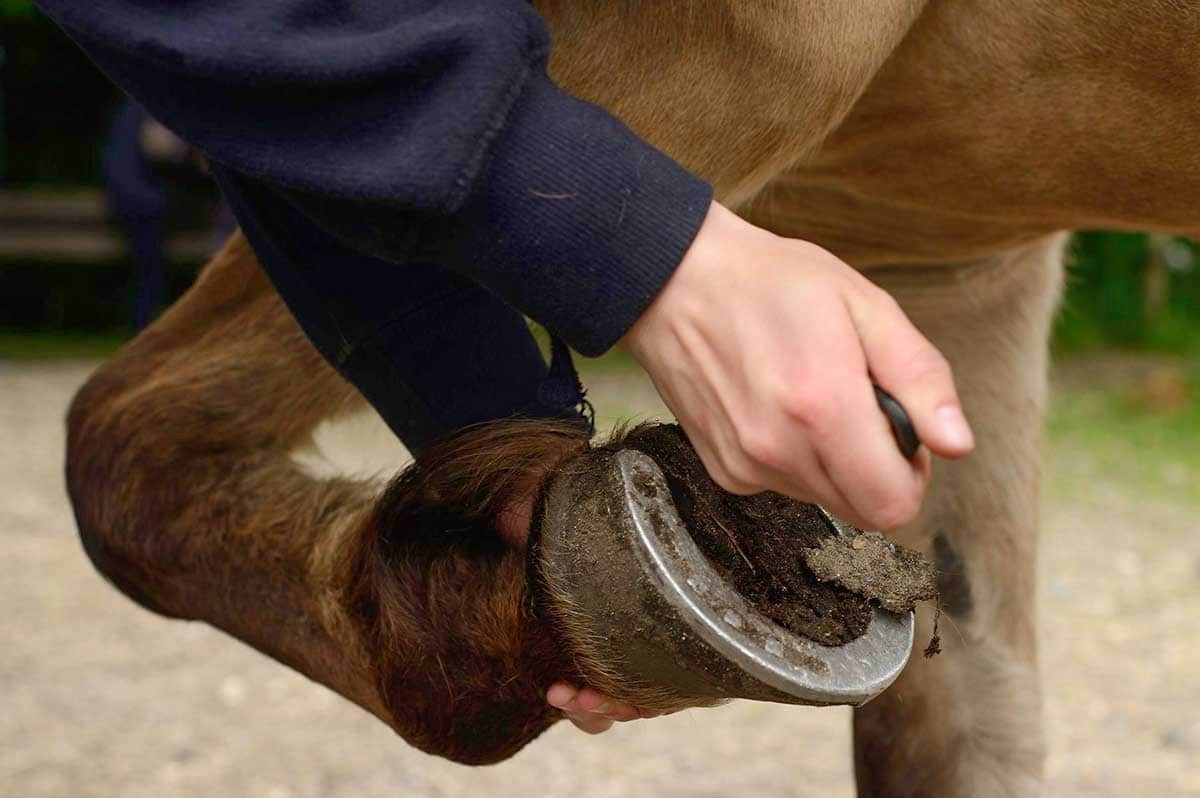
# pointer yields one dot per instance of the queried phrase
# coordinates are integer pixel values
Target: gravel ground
(100, 698)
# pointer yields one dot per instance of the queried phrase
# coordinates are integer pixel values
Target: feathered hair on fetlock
(441, 598)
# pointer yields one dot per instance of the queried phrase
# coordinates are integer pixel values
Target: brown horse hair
(460, 660)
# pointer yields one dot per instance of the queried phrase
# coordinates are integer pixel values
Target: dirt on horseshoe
(783, 555)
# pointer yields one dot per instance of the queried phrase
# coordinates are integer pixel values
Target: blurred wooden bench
(75, 227)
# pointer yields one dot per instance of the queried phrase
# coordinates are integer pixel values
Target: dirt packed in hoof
(871, 566)
(784, 556)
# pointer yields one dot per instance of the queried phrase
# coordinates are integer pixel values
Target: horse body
(995, 123)
(942, 145)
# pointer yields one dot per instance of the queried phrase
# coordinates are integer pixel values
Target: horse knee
(96, 481)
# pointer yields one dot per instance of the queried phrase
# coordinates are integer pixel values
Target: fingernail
(956, 433)
(600, 710)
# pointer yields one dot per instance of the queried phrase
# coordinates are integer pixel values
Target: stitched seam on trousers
(466, 178)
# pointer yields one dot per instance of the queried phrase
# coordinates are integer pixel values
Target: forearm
(735, 92)
(424, 133)
(430, 134)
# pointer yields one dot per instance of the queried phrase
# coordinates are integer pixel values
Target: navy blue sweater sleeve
(409, 126)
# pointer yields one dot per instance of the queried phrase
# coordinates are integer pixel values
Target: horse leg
(405, 600)
(968, 722)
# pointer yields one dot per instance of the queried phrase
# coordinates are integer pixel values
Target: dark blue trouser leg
(431, 351)
(137, 200)
(145, 236)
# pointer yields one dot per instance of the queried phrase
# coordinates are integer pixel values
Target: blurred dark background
(64, 268)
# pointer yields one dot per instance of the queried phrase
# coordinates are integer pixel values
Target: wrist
(692, 288)
(577, 221)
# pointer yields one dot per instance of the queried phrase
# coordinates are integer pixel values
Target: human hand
(765, 349)
(589, 710)
(592, 711)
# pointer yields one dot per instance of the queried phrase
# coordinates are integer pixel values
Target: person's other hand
(764, 348)
(590, 710)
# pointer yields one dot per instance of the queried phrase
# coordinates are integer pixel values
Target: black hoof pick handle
(902, 426)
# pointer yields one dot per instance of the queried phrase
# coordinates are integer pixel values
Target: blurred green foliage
(1106, 302)
(1099, 436)
(60, 345)
(16, 8)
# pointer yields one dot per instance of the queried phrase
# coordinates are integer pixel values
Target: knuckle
(740, 480)
(896, 511)
(928, 363)
(761, 445)
(729, 477)
(883, 298)
(739, 487)
(810, 405)
(815, 253)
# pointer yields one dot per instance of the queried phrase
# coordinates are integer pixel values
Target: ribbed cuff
(577, 221)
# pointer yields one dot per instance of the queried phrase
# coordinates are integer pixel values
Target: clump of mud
(783, 555)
